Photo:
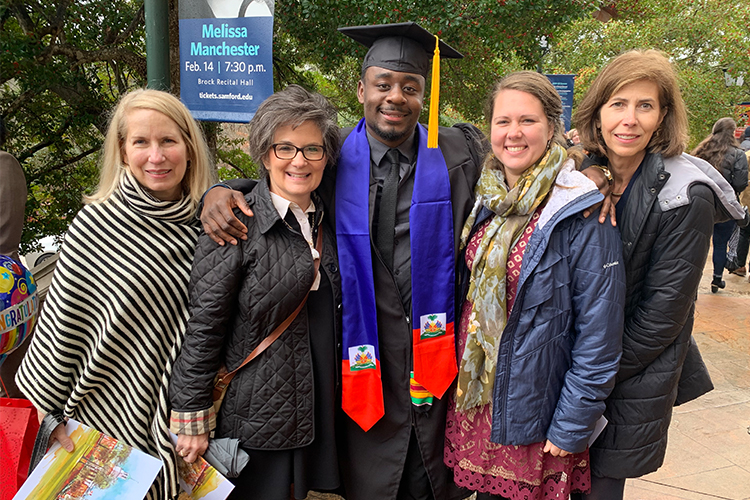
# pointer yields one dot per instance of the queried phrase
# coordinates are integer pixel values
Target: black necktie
(387, 214)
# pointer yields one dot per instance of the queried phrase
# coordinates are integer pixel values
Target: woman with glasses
(281, 404)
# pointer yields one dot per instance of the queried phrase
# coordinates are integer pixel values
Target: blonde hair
(200, 174)
(671, 137)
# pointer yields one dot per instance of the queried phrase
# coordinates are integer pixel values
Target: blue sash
(432, 273)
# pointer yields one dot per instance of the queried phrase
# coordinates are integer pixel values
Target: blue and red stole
(432, 277)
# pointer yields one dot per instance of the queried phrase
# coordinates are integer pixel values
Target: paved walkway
(708, 456)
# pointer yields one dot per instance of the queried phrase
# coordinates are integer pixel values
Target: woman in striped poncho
(115, 316)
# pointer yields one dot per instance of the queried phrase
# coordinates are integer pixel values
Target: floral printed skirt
(514, 472)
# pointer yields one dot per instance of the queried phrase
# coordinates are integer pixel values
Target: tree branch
(81, 57)
(67, 162)
(18, 102)
(237, 168)
(51, 139)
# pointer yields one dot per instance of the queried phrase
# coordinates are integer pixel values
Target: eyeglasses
(289, 151)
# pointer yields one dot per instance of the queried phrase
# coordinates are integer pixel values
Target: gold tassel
(432, 130)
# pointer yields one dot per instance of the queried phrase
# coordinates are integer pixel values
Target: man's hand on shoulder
(218, 219)
(603, 182)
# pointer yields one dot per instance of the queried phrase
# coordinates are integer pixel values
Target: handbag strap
(266, 343)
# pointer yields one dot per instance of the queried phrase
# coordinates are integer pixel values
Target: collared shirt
(379, 167)
(282, 207)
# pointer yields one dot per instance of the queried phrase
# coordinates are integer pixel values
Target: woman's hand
(61, 437)
(191, 447)
(554, 450)
(219, 221)
(58, 434)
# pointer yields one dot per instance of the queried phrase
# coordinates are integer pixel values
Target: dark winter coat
(560, 350)
(238, 296)
(666, 229)
(734, 169)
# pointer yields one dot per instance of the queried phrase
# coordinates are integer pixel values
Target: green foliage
(496, 37)
(703, 38)
(62, 66)
(233, 161)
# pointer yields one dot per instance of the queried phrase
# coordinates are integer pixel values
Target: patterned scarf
(513, 210)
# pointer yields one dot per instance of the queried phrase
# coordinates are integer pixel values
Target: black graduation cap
(405, 47)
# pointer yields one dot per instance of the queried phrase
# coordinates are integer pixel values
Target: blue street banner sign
(226, 57)
(564, 86)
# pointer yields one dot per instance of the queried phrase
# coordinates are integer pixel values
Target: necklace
(618, 194)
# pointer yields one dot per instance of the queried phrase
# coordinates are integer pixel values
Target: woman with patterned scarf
(540, 333)
(115, 316)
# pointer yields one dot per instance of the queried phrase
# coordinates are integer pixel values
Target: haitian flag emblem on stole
(433, 325)
(362, 357)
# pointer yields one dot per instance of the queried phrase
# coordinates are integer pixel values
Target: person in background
(115, 316)
(12, 205)
(737, 265)
(572, 138)
(13, 193)
(633, 120)
(282, 404)
(745, 144)
(531, 341)
(396, 263)
(721, 150)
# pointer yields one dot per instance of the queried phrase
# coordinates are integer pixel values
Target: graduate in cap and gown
(399, 197)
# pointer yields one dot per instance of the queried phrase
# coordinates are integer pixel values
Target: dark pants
(415, 485)
(742, 247)
(602, 488)
(722, 233)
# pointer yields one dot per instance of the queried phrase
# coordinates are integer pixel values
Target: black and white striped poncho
(114, 320)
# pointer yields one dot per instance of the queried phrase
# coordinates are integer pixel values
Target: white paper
(598, 428)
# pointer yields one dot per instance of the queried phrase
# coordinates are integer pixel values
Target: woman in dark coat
(721, 150)
(280, 405)
(634, 120)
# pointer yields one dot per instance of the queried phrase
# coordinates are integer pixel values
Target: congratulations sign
(18, 304)
(226, 64)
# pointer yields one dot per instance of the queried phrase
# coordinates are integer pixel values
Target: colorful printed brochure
(99, 468)
(200, 481)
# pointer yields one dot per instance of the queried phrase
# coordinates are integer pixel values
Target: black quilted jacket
(238, 295)
(734, 169)
(664, 254)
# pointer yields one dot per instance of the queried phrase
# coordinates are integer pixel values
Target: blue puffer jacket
(560, 350)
